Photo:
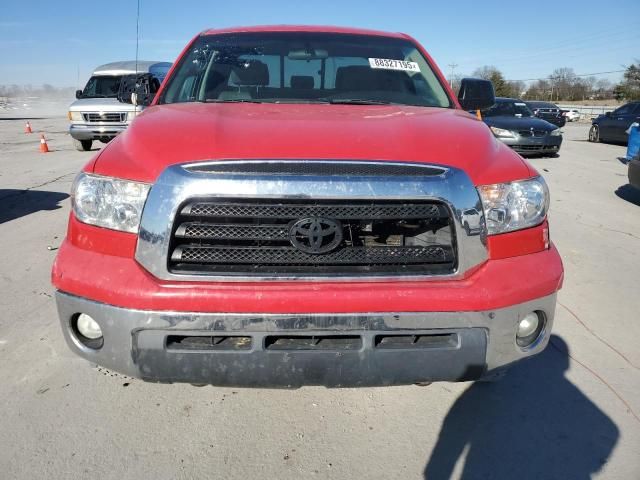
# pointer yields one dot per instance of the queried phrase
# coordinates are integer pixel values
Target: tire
(467, 229)
(82, 145)
(594, 134)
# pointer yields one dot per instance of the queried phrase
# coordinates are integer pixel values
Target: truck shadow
(629, 193)
(534, 424)
(19, 203)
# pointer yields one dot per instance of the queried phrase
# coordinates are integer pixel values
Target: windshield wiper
(357, 101)
(298, 100)
(231, 100)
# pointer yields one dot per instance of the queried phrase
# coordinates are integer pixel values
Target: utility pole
(452, 66)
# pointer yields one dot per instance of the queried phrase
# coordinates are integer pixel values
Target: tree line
(563, 84)
(45, 90)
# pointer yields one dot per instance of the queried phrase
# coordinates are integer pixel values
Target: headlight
(108, 202)
(501, 132)
(515, 205)
(556, 133)
(75, 116)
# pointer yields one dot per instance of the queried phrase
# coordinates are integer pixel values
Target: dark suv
(612, 126)
(548, 111)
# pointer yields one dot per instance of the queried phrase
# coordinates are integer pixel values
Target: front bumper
(445, 346)
(534, 145)
(82, 131)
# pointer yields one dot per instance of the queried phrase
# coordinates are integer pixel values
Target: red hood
(171, 134)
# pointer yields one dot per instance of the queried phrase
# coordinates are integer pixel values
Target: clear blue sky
(49, 41)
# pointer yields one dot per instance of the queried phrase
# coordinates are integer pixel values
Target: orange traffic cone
(27, 127)
(478, 114)
(44, 148)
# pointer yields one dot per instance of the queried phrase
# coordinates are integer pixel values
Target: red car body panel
(290, 131)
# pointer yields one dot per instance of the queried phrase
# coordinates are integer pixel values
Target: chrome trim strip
(176, 185)
(195, 166)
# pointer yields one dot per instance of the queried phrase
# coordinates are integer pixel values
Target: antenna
(452, 66)
(137, 34)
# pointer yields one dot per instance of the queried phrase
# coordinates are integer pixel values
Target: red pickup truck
(308, 206)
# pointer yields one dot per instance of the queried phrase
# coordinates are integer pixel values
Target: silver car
(97, 114)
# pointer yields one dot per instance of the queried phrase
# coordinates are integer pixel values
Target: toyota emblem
(316, 235)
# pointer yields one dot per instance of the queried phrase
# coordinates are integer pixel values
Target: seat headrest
(362, 77)
(250, 73)
(302, 82)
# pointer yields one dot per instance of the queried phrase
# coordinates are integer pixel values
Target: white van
(97, 114)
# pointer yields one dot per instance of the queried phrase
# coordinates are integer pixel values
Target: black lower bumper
(354, 359)
(535, 145)
(292, 350)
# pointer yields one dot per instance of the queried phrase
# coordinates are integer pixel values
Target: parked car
(547, 111)
(513, 123)
(571, 115)
(289, 211)
(97, 114)
(612, 126)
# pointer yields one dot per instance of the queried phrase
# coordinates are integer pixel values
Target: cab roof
(129, 66)
(304, 28)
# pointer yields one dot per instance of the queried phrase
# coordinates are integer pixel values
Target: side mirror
(143, 99)
(138, 89)
(607, 114)
(78, 93)
(476, 94)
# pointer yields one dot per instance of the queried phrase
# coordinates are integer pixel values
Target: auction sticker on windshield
(388, 64)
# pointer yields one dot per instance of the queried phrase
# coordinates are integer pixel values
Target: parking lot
(571, 412)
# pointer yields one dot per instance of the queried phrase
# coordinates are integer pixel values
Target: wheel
(467, 229)
(594, 134)
(82, 145)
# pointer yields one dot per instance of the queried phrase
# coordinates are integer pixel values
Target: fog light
(88, 327)
(529, 328)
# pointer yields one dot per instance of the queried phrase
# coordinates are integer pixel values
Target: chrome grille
(107, 117)
(253, 237)
(532, 133)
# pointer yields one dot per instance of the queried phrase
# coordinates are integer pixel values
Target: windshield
(508, 109)
(102, 86)
(305, 68)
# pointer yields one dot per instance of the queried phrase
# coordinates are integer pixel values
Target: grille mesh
(532, 133)
(105, 117)
(291, 256)
(254, 232)
(406, 211)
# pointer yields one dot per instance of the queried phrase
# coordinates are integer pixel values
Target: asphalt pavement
(570, 413)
